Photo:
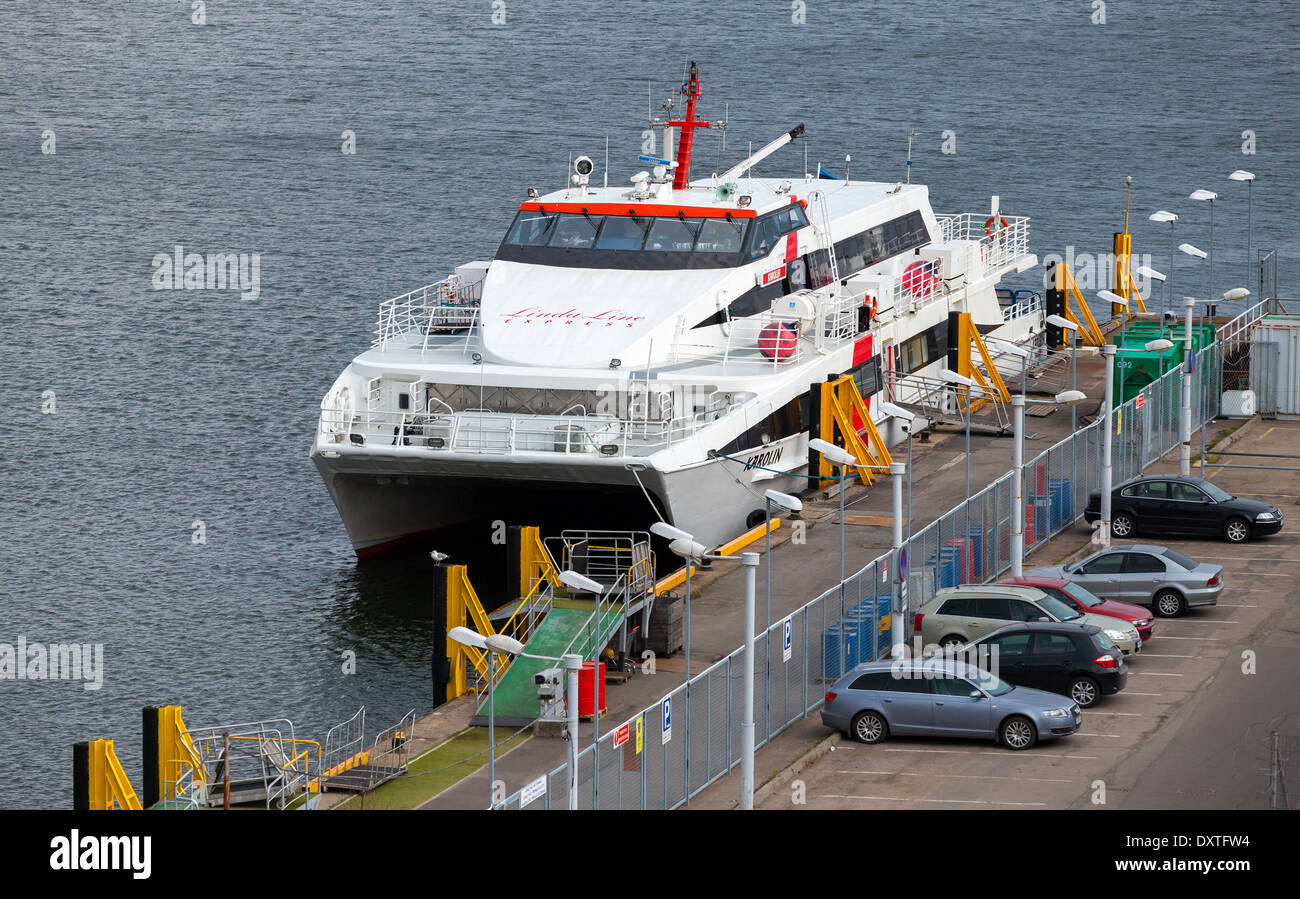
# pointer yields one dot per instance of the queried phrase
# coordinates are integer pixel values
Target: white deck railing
(446, 308)
(999, 245)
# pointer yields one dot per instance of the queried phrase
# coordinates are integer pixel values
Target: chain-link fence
(799, 657)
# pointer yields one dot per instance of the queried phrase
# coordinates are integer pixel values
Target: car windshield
(990, 684)
(1216, 492)
(1057, 609)
(1082, 595)
(1179, 559)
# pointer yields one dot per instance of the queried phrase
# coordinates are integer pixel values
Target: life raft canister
(918, 278)
(778, 341)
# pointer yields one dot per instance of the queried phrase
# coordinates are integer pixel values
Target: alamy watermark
(1096, 271)
(53, 661)
(208, 271)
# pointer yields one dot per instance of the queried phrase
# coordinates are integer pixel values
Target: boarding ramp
(355, 764)
(572, 621)
(264, 761)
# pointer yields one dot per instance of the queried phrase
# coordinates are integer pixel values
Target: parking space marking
(1001, 754)
(1108, 736)
(1206, 639)
(1125, 714)
(913, 799)
(1041, 780)
(1153, 655)
(1205, 621)
(1131, 693)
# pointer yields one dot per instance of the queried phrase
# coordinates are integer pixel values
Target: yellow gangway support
(176, 754)
(843, 411)
(1088, 326)
(1125, 286)
(535, 561)
(108, 784)
(967, 334)
(465, 610)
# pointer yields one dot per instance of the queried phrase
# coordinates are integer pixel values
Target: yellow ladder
(993, 384)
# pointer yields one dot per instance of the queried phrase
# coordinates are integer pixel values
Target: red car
(1079, 599)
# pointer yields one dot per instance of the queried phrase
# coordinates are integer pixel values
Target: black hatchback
(1170, 503)
(1074, 660)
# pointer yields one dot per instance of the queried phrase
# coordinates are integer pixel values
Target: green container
(1136, 366)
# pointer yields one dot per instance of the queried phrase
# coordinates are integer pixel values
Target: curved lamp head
(1147, 271)
(834, 454)
(575, 581)
(1192, 251)
(1071, 397)
(1111, 297)
(688, 549)
(467, 637)
(1159, 345)
(1237, 293)
(503, 645)
(1062, 322)
(896, 412)
(783, 500)
(1163, 216)
(668, 532)
(1202, 195)
(1241, 175)
(1007, 346)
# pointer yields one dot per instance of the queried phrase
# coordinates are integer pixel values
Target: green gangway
(568, 626)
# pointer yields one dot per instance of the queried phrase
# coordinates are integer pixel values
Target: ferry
(658, 345)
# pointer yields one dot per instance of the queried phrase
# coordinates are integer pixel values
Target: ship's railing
(480, 431)
(444, 308)
(999, 245)
(919, 284)
(763, 340)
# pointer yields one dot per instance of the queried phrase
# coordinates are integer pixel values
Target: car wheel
(868, 727)
(1122, 525)
(1084, 691)
(1017, 732)
(952, 640)
(1170, 604)
(1237, 530)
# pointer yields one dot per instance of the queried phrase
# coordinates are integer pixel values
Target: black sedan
(1166, 504)
(1074, 660)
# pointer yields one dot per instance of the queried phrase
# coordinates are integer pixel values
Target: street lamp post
(1210, 196)
(572, 666)
(750, 562)
(1120, 301)
(1249, 178)
(496, 644)
(842, 458)
(1108, 350)
(1017, 487)
(684, 546)
(906, 419)
(790, 504)
(898, 583)
(1165, 216)
(1072, 329)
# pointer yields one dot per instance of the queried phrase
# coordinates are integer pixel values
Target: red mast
(691, 91)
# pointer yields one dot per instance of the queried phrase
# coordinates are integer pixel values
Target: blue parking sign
(666, 707)
(787, 639)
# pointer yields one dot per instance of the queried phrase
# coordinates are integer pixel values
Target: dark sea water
(177, 406)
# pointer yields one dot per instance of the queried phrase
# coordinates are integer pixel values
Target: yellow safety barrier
(967, 334)
(176, 753)
(840, 401)
(109, 786)
(465, 610)
(1125, 286)
(535, 563)
(1089, 330)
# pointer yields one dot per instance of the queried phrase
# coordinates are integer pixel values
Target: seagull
(438, 557)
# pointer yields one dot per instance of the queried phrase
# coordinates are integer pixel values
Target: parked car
(958, 615)
(1168, 504)
(1079, 598)
(1153, 576)
(944, 698)
(1075, 660)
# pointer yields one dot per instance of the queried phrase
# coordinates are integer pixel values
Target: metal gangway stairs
(569, 621)
(354, 765)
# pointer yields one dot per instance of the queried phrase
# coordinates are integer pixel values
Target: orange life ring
(988, 225)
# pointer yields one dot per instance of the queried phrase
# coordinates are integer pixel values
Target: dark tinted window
(952, 686)
(720, 236)
(1155, 489)
(1187, 493)
(532, 229)
(1009, 644)
(957, 606)
(673, 235)
(872, 680)
(576, 231)
(1179, 559)
(623, 232)
(1062, 596)
(852, 254)
(1023, 611)
(916, 684)
(1053, 644)
(1141, 563)
(1111, 563)
(991, 607)
(769, 230)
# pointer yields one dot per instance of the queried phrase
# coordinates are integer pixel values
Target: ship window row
(925, 348)
(866, 248)
(580, 231)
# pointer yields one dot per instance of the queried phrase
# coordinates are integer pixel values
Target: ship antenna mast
(911, 135)
(691, 91)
